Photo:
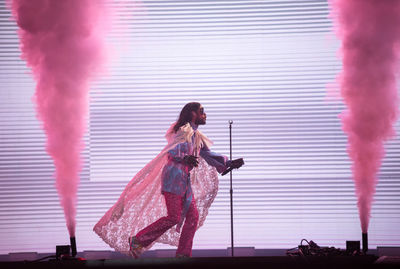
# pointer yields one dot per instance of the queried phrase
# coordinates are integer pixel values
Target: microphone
(227, 171)
(235, 164)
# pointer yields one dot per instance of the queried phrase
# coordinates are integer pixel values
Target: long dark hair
(186, 114)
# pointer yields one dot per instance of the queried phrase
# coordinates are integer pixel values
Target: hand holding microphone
(235, 164)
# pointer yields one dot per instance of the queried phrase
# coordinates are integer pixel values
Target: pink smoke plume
(62, 42)
(370, 34)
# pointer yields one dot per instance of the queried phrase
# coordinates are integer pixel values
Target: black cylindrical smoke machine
(73, 246)
(364, 242)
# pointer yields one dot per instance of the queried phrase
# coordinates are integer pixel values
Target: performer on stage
(179, 186)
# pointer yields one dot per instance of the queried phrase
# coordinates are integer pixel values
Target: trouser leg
(188, 231)
(174, 207)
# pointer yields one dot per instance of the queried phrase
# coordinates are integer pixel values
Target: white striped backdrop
(263, 64)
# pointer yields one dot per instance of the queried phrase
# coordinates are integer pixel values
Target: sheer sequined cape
(141, 203)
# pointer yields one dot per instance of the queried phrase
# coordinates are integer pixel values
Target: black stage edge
(367, 261)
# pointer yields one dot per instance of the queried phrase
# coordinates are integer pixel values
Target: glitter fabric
(142, 202)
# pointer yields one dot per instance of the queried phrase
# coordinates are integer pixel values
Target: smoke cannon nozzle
(73, 246)
(364, 242)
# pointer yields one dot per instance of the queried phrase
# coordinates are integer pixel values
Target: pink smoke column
(62, 41)
(370, 34)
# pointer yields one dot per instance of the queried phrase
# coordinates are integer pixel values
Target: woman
(167, 186)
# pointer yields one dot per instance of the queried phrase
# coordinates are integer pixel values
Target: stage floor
(369, 261)
(246, 258)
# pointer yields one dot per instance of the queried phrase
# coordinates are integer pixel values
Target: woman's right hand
(191, 160)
